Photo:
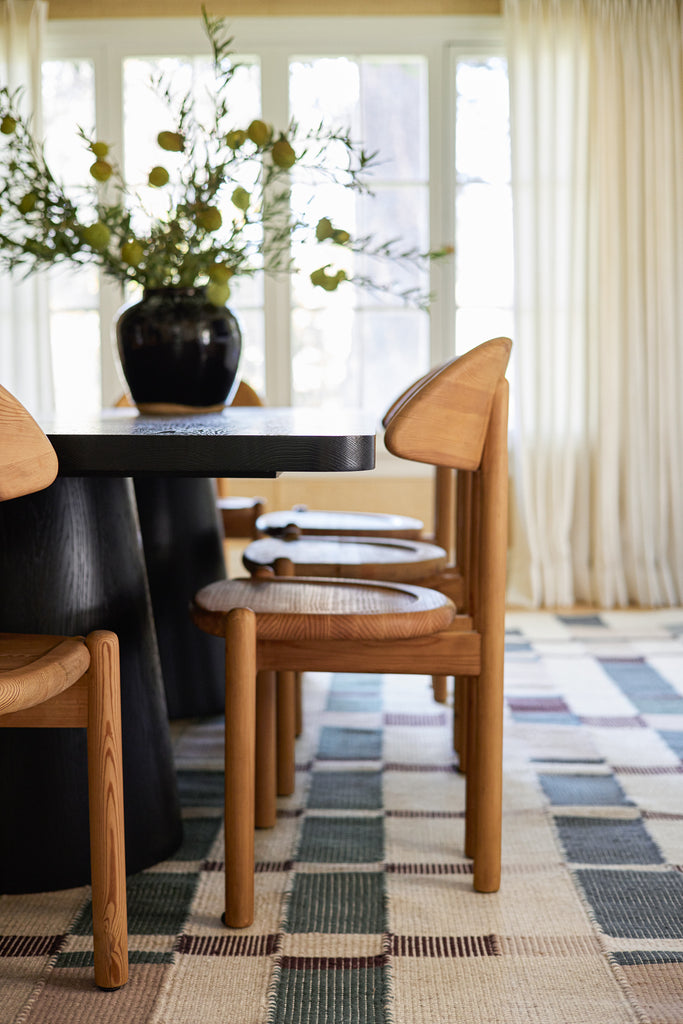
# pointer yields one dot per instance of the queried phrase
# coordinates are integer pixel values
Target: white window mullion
(277, 301)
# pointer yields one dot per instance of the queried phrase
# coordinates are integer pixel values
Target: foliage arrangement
(213, 227)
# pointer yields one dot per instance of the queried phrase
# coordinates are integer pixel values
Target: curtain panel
(25, 358)
(596, 93)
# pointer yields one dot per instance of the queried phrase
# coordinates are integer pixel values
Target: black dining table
(121, 540)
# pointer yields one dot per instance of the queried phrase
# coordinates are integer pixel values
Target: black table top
(239, 441)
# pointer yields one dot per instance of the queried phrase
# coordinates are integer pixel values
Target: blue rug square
(635, 904)
(582, 620)
(352, 692)
(649, 692)
(345, 744)
(607, 841)
(675, 741)
(583, 790)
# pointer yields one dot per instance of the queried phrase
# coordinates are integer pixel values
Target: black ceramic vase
(179, 353)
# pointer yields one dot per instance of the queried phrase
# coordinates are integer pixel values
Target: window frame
(441, 41)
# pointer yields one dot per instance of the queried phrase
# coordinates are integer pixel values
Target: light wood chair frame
(472, 648)
(57, 682)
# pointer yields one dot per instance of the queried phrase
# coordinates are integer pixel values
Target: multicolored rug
(365, 909)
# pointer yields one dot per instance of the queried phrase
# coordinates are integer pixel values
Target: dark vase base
(179, 353)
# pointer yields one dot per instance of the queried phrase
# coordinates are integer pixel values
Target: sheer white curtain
(25, 359)
(596, 92)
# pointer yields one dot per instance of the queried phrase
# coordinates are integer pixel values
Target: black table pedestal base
(71, 561)
(182, 541)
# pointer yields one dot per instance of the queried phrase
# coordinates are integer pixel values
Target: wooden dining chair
(239, 514)
(57, 682)
(458, 419)
(442, 565)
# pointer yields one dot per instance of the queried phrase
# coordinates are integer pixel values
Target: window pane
(75, 340)
(484, 246)
(354, 346)
(482, 121)
(68, 88)
(394, 116)
(483, 203)
(364, 360)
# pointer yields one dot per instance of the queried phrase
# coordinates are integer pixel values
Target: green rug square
(331, 995)
(342, 744)
(346, 790)
(350, 903)
(198, 838)
(341, 841)
(201, 788)
(158, 904)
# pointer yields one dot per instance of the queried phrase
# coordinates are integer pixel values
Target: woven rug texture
(365, 912)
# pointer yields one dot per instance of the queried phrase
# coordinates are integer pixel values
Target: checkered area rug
(365, 911)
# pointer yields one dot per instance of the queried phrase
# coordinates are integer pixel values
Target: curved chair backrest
(28, 462)
(444, 420)
(408, 393)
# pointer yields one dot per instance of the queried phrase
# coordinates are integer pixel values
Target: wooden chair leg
(105, 791)
(299, 709)
(266, 740)
(471, 792)
(440, 689)
(240, 743)
(487, 755)
(487, 752)
(286, 733)
(460, 720)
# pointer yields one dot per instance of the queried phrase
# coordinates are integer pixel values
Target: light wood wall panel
(355, 492)
(60, 9)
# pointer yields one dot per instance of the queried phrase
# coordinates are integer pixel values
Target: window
(437, 112)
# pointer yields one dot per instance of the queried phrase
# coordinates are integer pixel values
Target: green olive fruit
(241, 198)
(132, 253)
(283, 154)
(100, 149)
(8, 124)
(220, 273)
(96, 235)
(27, 203)
(101, 170)
(158, 177)
(259, 132)
(217, 294)
(172, 142)
(236, 138)
(324, 229)
(209, 218)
